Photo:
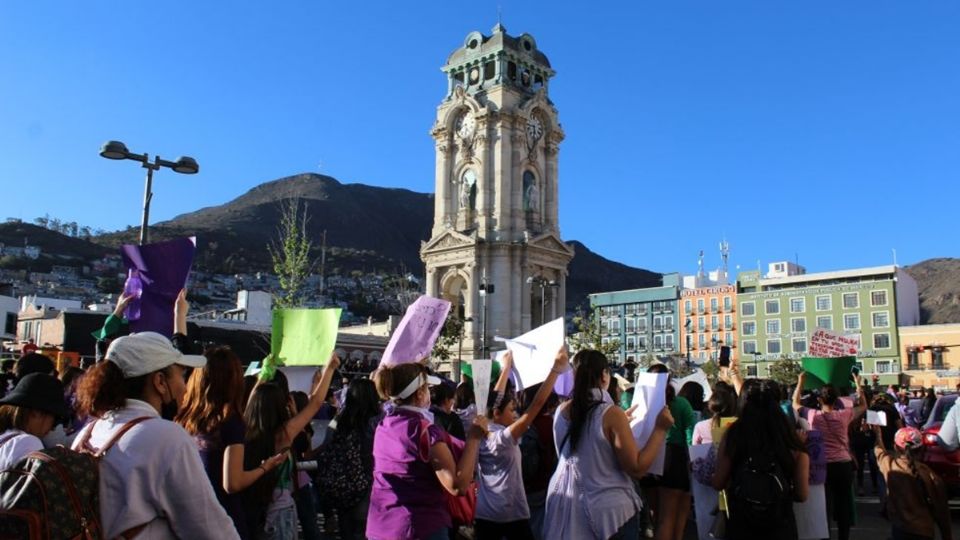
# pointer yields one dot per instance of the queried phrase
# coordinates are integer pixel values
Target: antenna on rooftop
(894, 256)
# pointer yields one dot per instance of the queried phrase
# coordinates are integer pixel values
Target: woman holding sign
(414, 461)
(502, 510)
(591, 494)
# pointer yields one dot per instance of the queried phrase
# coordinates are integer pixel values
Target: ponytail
(103, 389)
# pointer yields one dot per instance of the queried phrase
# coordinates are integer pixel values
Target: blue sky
(823, 131)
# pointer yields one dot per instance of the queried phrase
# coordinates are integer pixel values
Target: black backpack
(760, 489)
(342, 480)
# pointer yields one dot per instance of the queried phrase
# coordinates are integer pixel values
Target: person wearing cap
(414, 461)
(152, 482)
(28, 413)
(916, 496)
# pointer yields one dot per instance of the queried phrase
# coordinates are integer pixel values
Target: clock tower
(495, 250)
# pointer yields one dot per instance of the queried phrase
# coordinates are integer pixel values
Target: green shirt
(111, 327)
(683, 421)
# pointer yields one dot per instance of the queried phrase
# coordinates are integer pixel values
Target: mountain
(938, 281)
(55, 248)
(368, 228)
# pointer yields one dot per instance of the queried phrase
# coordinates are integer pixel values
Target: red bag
(462, 508)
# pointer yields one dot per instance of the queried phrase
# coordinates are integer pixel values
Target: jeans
(281, 524)
(307, 512)
(629, 530)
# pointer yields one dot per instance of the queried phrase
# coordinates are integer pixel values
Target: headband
(414, 385)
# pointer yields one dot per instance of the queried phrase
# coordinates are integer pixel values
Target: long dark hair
(213, 392)
(762, 428)
(723, 402)
(266, 413)
(361, 405)
(589, 366)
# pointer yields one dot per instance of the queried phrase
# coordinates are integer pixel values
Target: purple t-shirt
(407, 500)
(212, 447)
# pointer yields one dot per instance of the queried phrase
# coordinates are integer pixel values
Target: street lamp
(543, 283)
(458, 364)
(183, 165)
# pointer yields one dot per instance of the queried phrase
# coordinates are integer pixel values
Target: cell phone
(855, 371)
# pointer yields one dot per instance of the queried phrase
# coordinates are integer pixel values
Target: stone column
(442, 182)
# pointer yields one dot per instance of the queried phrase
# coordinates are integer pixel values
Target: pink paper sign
(827, 344)
(414, 337)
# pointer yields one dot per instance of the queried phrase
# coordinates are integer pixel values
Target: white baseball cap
(146, 352)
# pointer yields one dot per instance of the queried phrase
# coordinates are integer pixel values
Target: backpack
(537, 460)
(342, 480)
(760, 489)
(55, 493)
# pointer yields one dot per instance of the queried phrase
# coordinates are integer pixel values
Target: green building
(779, 311)
(645, 321)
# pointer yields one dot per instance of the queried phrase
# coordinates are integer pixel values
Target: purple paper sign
(414, 337)
(818, 458)
(163, 269)
(564, 384)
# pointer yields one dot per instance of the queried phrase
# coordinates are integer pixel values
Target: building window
(824, 303)
(658, 324)
(748, 309)
(615, 326)
(851, 300)
(642, 325)
(668, 323)
(668, 341)
(657, 342)
(727, 338)
(630, 325)
(702, 340)
(772, 307)
(936, 355)
(798, 325)
(728, 322)
(714, 322)
(714, 304)
(825, 322)
(749, 347)
(798, 305)
(773, 346)
(631, 309)
(11, 324)
(883, 366)
(686, 307)
(881, 341)
(751, 371)
(773, 326)
(800, 345)
(881, 319)
(701, 323)
(878, 298)
(727, 303)
(631, 343)
(913, 358)
(749, 328)
(851, 321)
(700, 305)
(642, 343)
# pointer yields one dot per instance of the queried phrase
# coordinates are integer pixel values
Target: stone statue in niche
(468, 190)
(531, 193)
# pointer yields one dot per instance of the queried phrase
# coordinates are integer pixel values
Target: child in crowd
(28, 413)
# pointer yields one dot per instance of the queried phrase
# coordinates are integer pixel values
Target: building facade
(709, 322)
(646, 322)
(930, 355)
(495, 249)
(778, 312)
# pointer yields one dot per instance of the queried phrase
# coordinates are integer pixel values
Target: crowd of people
(193, 449)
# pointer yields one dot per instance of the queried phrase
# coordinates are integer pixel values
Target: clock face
(534, 129)
(464, 125)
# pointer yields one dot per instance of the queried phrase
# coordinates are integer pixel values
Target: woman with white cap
(152, 482)
(28, 413)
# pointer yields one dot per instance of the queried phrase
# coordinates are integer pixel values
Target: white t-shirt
(13, 450)
(500, 496)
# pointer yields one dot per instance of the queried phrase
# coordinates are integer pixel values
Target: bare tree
(290, 253)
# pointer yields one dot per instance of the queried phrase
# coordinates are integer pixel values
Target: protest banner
(300, 378)
(564, 384)
(482, 368)
(650, 397)
(829, 344)
(698, 377)
(818, 457)
(252, 369)
(821, 371)
(162, 270)
(535, 351)
(417, 332)
(704, 496)
(304, 337)
(466, 368)
(877, 418)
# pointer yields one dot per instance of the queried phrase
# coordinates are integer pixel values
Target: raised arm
(798, 391)
(861, 406)
(454, 476)
(504, 377)
(180, 309)
(296, 424)
(560, 364)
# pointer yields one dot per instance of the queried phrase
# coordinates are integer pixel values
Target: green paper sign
(467, 369)
(821, 371)
(304, 337)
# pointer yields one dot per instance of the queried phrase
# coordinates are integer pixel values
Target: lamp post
(543, 283)
(183, 165)
(458, 365)
(756, 364)
(485, 289)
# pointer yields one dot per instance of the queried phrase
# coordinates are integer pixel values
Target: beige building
(930, 355)
(495, 250)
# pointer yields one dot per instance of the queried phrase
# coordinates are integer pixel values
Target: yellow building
(930, 355)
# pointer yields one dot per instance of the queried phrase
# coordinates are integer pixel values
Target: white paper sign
(535, 351)
(704, 497)
(481, 383)
(877, 418)
(300, 378)
(811, 515)
(697, 376)
(650, 397)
